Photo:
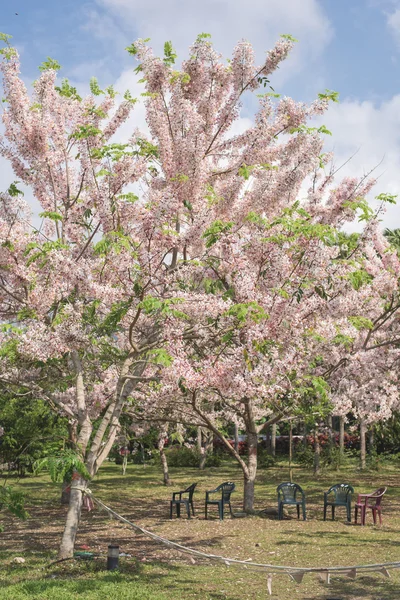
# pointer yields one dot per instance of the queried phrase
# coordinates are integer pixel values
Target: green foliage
(50, 63)
(159, 356)
(389, 198)
(13, 191)
(85, 132)
(362, 206)
(94, 87)
(132, 50)
(13, 501)
(250, 310)
(361, 322)
(329, 95)
(304, 455)
(305, 129)
(68, 91)
(359, 278)
(181, 456)
(61, 466)
(287, 36)
(214, 232)
(169, 54)
(151, 305)
(54, 216)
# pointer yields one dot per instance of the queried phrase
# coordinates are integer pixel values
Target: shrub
(304, 455)
(265, 459)
(181, 456)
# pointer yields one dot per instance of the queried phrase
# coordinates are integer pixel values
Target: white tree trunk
(73, 517)
(341, 435)
(250, 475)
(363, 446)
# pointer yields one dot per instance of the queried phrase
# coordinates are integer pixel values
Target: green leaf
(54, 216)
(169, 54)
(94, 87)
(287, 36)
(329, 95)
(132, 49)
(68, 91)
(13, 190)
(50, 63)
(390, 198)
(128, 97)
(361, 323)
(215, 231)
(159, 356)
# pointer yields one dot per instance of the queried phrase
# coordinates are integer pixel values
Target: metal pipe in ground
(112, 557)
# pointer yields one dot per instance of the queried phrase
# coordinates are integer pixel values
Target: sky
(350, 46)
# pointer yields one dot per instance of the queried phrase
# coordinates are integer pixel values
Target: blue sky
(351, 46)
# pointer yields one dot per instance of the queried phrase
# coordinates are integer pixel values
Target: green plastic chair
(340, 495)
(288, 493)
(225, 489)
(177, 500)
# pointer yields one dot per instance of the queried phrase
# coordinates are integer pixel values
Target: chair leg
(374, 515)
(380, 516)
(298, 510)
(188, 509)
(191, 504)
(178, 510)
(206, 510)
(348, 507)
(170, 509)
(221, 511)
(325, 507)
(355, 514)
(304, 512)
(279, 511)
(363, 515)
(333, 512)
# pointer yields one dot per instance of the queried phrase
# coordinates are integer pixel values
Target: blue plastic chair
(225, 489)
(341, 497)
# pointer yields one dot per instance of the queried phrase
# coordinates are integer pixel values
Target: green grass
(158, 573)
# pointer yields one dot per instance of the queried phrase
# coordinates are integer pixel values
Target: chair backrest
(377, 495)
(227, 488)
(289, 491)
(341, 491)
(190, 490)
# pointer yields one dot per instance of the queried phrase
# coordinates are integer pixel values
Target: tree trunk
(65, 492)
(330, 434)
(250, 475)
(273, 439)
(371, 439)
(363, 429)
(236, 438)
(290, 451)
(208, 438)
(73, 517)
(163, 458)
(124, 463)
(199, 442)
(341, 435)
(317, 453)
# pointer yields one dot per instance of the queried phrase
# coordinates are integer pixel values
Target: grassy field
(158, 573)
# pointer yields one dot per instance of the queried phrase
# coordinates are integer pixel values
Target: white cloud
(228, 21)
(393, 21)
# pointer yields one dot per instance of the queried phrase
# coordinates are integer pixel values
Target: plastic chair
(341, 497)
(177, 500)
(226, 490)
(364, 502)
(288, 494)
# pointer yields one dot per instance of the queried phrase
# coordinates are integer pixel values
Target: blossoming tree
(216, 290)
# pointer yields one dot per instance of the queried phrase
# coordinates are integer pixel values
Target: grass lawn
(158, 573)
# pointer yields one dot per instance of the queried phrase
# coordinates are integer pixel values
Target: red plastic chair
(365, 501)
